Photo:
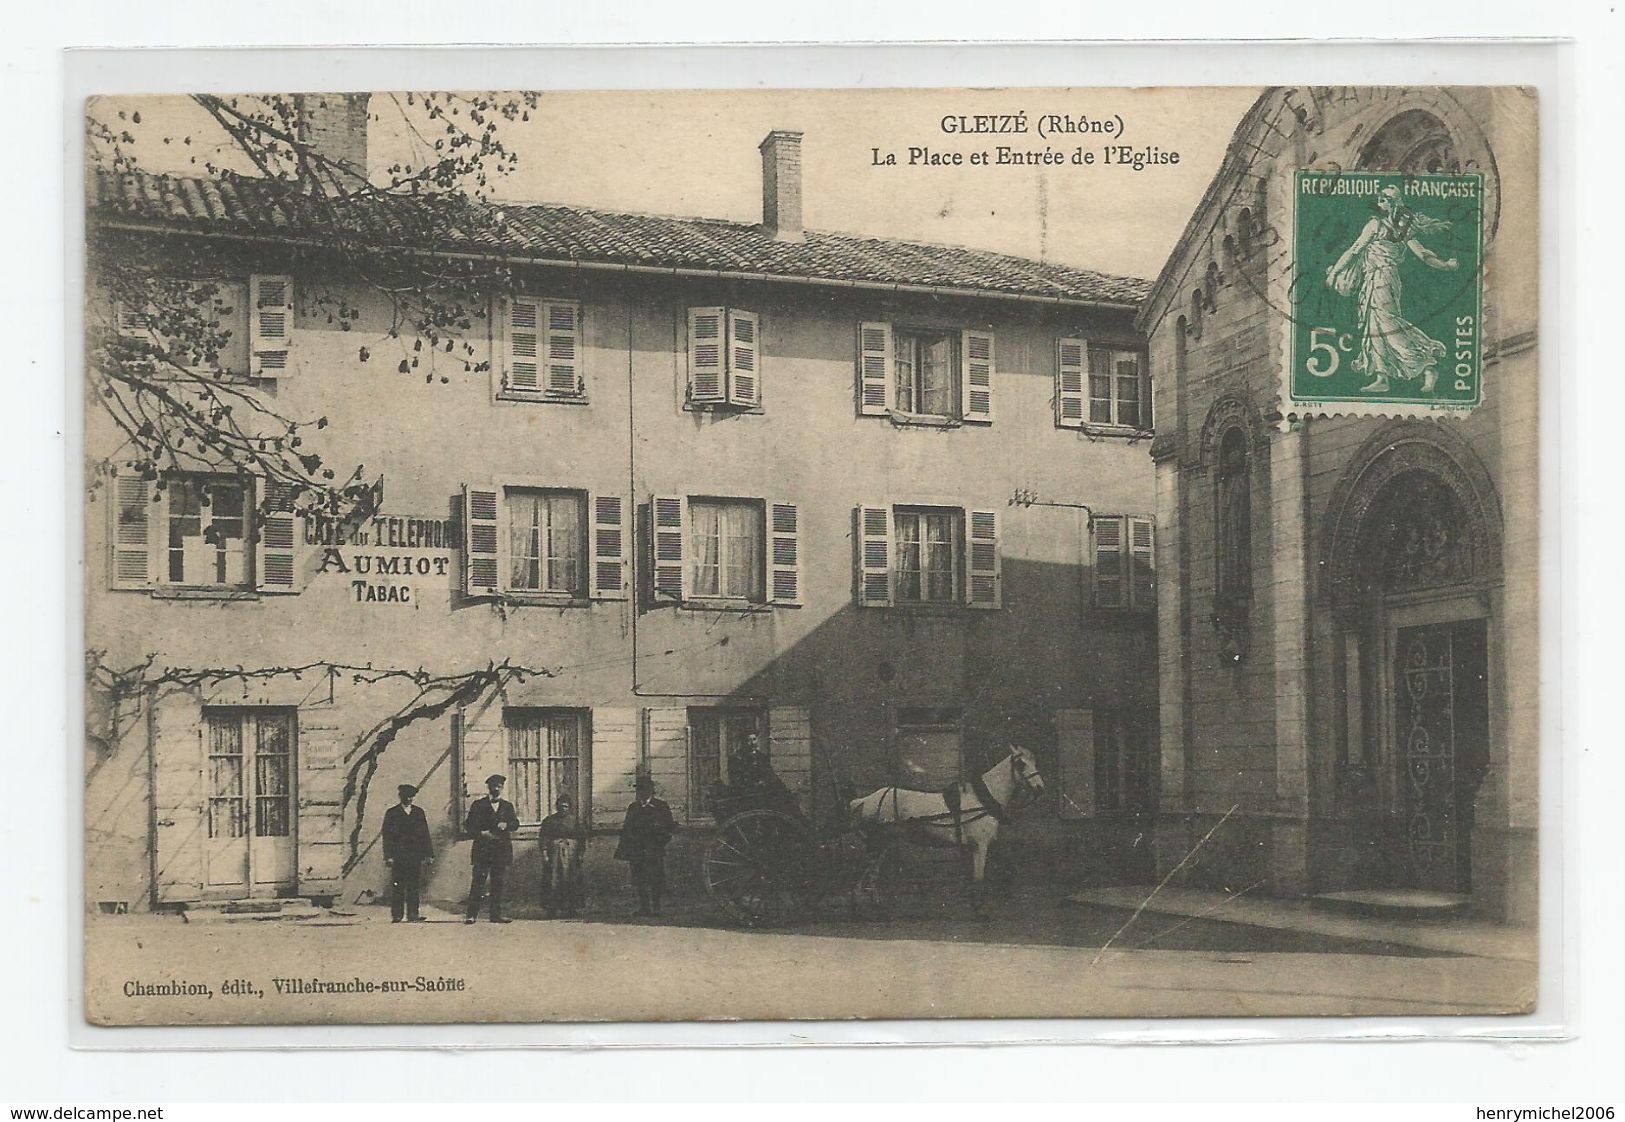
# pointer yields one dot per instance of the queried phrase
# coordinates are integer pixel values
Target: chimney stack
(781, 185)
(334, 126)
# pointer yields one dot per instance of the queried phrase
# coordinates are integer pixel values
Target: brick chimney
(781, 185)
(334, 125)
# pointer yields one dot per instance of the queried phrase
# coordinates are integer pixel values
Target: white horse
(971, 822)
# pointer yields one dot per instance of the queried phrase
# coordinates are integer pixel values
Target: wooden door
(1441, 701)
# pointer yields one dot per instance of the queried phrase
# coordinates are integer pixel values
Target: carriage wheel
(875, 894)
(760, 867)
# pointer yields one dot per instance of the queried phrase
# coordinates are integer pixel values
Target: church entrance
(1411, 559)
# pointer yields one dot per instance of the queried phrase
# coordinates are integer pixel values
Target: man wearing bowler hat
(491, 822)
(644, 836)
(407, 848)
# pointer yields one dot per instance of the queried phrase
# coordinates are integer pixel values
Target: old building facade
(1348, 610)
(887, 506)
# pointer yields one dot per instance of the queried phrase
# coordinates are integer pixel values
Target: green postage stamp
(1387, 290)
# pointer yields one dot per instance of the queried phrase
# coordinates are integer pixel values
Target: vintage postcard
(811, 554)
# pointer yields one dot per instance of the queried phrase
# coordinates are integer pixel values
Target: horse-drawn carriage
(768, 864)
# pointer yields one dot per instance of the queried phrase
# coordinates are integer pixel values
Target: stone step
(229, 911)
(1397, 903)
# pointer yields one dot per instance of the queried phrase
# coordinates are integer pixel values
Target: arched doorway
(1411, 554)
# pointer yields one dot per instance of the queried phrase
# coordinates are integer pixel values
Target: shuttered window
(205, 532)
(541, 349)
(724, 357)
(1124, 562)
(927, 555)
(926, 374)
(209, 328)
(529, 543)
(702, 548)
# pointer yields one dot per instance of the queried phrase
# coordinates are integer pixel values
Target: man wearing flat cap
(407, 848)
(491, 823)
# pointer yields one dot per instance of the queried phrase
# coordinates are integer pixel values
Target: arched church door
(1432, 637)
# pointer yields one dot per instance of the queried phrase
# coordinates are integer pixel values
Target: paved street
(1033, 954)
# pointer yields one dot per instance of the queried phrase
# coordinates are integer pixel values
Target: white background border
(40, 874)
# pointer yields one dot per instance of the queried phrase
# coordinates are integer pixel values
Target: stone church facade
(1348, 611)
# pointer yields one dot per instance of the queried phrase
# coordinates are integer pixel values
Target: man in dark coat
(644, 835)
(407, 848)
(491, 822)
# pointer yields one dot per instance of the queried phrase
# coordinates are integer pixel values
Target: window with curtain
(927, 370)
(546, 759)
(250, 772)
(927, 555)
(544, 541)
(726, 536)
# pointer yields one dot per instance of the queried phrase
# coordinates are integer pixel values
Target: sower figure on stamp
(407, 848)
(644, 836)
(564, 846)
(491, 823)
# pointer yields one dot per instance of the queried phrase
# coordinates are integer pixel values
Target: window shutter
(482, 561)
(178, 798)
(270, 301)
(705, 354)
(1071, 356)
(609, 547)
(321, 804)
(874, 556)
(976, 375)
(484, 748)
(982, 588)
(276, 548)
(521, 321)
(785, 529)
(744, 365)
(665, 736)
(874, 369)
(1108, 567)
(1075, 754)
(1142, 563)
(133, 518)
(614, 764)
(131, 321)
(563, 319)
(668, 539)
(789, 735)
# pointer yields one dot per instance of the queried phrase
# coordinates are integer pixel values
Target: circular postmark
(1359, 217)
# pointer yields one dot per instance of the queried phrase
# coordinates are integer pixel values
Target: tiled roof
(254, 207)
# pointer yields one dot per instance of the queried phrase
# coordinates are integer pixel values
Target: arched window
(1244, 233)
(1195, 326)
(1234, 518)
(1413, 141)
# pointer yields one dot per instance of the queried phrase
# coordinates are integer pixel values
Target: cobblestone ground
(1030, 954)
